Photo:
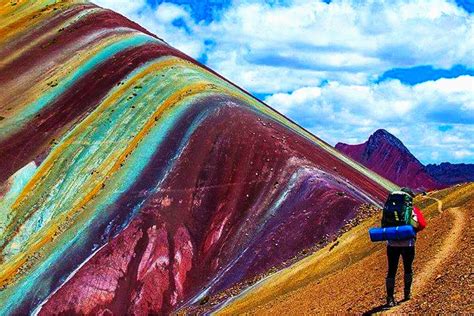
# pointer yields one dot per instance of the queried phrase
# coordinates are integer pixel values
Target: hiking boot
(408, 279)
(390, 285)
(390, 301)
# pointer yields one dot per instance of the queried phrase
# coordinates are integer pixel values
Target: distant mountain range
(387, 155)
(450, 174)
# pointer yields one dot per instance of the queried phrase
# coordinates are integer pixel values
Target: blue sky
(340, 68)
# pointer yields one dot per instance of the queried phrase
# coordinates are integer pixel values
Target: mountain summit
(387, 155)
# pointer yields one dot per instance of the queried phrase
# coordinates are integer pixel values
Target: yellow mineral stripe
(11, 267)
(35, 12)
(18, 52)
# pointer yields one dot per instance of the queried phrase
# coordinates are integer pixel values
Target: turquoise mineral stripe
(18, 182)
(40, 279)
(33, 108)
(107, 136)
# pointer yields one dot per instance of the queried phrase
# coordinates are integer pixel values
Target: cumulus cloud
(413, 113)
(318, 63)
(305, 42)
(162, 22)
(441, 100)
(347, 41)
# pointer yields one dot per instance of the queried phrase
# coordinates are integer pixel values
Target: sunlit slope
(348, 275)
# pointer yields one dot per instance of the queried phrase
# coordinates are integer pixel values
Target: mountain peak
(383, 136)
(382, 131)
(388, 156)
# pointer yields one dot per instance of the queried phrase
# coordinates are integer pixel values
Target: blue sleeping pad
(392, 233)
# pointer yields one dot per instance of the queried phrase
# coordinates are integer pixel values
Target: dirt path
(449, 246)
(440, 203)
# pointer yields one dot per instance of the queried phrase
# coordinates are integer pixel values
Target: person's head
(409, 191)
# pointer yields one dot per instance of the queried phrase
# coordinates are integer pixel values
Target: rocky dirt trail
(349, 275)
(440, 203)
(435, 266)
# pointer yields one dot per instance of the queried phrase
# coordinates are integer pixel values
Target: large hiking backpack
(397, 210)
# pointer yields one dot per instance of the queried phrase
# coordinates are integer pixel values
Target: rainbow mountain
(134, 180)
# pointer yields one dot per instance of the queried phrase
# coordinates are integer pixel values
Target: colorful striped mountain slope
(134, 180)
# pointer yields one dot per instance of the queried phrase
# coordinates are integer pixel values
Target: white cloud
(286, 102)
(461, 154)
(168, 12)
(350, 113)
(383, 102)
(263, 78)
(319, 63)
(346, 41)
(159, 21)
(126, 7)
(269, 48)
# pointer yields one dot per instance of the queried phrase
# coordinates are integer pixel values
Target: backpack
(397, 210)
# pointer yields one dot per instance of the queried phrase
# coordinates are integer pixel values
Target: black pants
(393, 254)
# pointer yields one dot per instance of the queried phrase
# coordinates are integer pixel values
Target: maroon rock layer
(207, 231)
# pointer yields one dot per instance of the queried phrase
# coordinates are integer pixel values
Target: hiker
(399, 210)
